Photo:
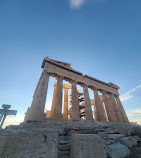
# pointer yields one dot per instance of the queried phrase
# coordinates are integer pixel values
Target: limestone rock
(129, 141)
(87, 146)
(137, 130)
(118, 150)
(126, 130)
(33, 145)
(115, 136)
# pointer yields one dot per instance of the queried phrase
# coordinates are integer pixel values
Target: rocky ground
(67, 139)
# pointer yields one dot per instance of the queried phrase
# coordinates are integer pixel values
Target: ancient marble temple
(109, 110)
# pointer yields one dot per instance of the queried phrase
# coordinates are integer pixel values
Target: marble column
(39, 99)
(53, 101)
(100, 112)
(115, 108)
(121, 109)
(65, 113)
(104, 111)
(87, 102)
(38, 84)
(27, 115)
(108, 107)
(75, 112)
(95, 113)
(57, 113)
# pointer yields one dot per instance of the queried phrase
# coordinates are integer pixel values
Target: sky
(101, 38)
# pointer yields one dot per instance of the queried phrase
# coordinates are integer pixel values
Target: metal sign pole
(1, 116)
(4, 112)
(3, 121)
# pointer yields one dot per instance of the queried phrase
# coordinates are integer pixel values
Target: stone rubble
(70, 139)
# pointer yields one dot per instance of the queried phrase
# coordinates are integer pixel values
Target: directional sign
(4, 112)
(5, 106)
(8, 112)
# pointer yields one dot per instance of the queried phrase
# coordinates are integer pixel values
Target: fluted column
(65, 113)
(100, 112)
(39, 99)
(115, 108)
(104, 111)
(53, 101)
(108, 107)
(38, 84)
(75, 112)
(27, 115)
(95, 113)
(57, 113)
(121, 109)
(87, 101)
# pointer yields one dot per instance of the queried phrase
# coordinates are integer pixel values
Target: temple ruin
(110, 109)
(84, 128)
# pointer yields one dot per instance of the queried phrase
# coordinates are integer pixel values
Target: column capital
(101, 90)
(116, 95)
(58, 77)
(109, 93)
(65, 88)
(94, 88)
(46, 72)
(84, 85)
(72, 81)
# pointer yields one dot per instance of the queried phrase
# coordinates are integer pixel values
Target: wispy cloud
(135, 116)
(76, 3)
(136, 112)
(129, 94)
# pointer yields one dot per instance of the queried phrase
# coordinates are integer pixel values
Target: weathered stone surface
(31, 145)
(126, 130)
(52, 138)
(70, 73)
(129, 141)
(137, 130)
(115, 136)
(102, 134)
(118, 150)
(64, 147)
(87, 146)
(111, 131)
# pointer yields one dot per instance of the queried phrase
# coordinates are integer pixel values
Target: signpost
(4, 112)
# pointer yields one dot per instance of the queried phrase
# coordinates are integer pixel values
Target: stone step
(64, 147)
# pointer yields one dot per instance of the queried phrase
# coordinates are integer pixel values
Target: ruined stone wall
(67, 139)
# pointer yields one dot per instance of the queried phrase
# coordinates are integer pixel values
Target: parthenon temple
(107, 104)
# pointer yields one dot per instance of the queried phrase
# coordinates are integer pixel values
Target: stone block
(111, 131)
(64, 147)
(117, 150)
(126, 130)
(129, 141)
(87, 146)
(137, 130)
(29, 145)
(102, 134)
(115, 136)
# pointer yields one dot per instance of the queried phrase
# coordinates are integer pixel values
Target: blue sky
(101, 38)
